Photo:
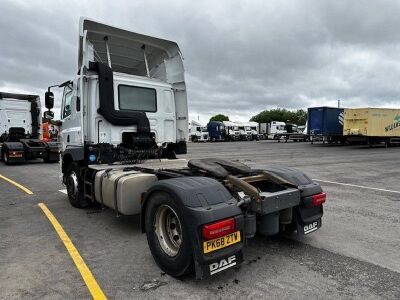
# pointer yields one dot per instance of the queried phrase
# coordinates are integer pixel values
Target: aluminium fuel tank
(122, 190)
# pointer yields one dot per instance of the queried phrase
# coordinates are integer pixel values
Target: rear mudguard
(204, 200)
(13, 146)
(304, 214)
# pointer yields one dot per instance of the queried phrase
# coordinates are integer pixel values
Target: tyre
(74, 186)
(194, 139)
(6, 157)
(167, 235)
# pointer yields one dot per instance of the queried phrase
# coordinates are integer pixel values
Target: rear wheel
(6, 157)
(194, 139)
(74, 186)
(167, 235)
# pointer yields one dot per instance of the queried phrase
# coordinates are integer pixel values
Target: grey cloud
(241, 57)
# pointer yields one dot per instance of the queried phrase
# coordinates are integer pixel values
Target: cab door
(71, 134)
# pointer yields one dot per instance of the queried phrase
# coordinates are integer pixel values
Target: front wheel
(74, 186)
(167, 235)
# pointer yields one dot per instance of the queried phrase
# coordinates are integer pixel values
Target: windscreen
(137, 98)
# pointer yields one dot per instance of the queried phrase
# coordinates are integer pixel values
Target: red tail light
(318, 199)
(218, 229)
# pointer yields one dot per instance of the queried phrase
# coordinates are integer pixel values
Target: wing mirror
(49, 100)
(48, 115)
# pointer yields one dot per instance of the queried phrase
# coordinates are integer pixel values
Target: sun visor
(127, 52)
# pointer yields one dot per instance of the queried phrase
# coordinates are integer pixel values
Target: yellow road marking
(28, 191)
(87, 276)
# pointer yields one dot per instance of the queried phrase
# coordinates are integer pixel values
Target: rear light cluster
(315, 200)
(318, 199)
(218, 229)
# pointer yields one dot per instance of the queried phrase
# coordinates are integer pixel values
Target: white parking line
(358, 186)
(63, 191)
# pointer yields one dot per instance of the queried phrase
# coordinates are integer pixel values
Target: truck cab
(197, 132)
(123, 98)
(252, 130)
(232, 131)
(216, 131)
(275, 129)
(244, 131)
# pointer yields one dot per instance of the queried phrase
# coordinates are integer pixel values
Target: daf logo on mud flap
(223, 264)
(310, 227)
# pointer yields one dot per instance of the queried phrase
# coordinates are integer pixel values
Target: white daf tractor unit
(20, 130)
(253, 130)
(276, 129)
(197, 132)
(232, 131)
(124, 120)
(245, 133)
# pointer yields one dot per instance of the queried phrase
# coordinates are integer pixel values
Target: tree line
(298, 117)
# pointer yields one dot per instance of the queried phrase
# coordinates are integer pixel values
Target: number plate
(222, 242)
(15, 155)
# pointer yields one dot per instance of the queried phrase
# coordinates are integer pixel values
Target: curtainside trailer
(124, 120)
(326, 124)
(372, 125)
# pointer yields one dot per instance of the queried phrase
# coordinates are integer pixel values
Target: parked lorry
(216, 131)
(124, 118)
(252, 130)
(275, 129)
(232, 131)
(197, 132)
(293, 133)
(244, 131)
(326, 124)
(20, 121)
(372, 125)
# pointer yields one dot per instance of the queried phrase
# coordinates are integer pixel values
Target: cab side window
(67, 100)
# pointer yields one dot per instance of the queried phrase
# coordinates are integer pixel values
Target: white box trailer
(122, 151)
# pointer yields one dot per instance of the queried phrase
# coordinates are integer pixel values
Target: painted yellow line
(26, 190)
(87, 276)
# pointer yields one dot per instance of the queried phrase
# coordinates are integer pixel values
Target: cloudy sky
(241, 57)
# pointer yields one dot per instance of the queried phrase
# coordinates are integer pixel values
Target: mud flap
(308, 219)
(209, 268)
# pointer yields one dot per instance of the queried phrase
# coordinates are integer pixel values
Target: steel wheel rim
(168, 230)
(72, 184)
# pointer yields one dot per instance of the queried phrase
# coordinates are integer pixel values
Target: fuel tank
(122, 190)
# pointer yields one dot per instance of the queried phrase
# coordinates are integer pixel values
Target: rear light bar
(318, 199)
(215, 230)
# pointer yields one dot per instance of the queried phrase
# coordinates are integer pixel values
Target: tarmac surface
(356, 253)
